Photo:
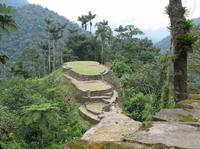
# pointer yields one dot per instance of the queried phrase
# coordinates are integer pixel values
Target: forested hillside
(14, 3)
(39, 105)
(164, 44)
(30, 19)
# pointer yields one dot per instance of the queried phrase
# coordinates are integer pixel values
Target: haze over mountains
(30, 19)
(164, 44)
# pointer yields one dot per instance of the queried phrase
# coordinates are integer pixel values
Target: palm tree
(84, 20)
(49, 21)
(90, 17)
(80, 19)
(56, 34)
(104, 33)
(7, 23)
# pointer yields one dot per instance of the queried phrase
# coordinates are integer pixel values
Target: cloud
(146, 14)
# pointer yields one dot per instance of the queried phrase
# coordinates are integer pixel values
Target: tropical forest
(89, 85)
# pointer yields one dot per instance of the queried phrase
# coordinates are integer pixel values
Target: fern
(188, 39)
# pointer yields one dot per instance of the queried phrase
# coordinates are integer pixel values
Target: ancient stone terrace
(99, 101)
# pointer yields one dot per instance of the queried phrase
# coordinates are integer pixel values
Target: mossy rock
(195, 96)
(187, 118)
(190, 101)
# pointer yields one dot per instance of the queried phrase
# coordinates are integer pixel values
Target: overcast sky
(145, 14)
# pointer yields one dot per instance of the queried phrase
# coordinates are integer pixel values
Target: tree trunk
(54, 56)
(177, 20)
(49, 55)
(102, 53)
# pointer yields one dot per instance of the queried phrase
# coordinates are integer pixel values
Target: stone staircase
(99, 104)
(95, 102)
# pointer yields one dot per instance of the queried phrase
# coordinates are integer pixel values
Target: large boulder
(167, 134)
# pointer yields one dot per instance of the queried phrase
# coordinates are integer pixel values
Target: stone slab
(112, 128)
(178, 115)
(168, 134)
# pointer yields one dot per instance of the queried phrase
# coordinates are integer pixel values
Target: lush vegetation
(34, 112)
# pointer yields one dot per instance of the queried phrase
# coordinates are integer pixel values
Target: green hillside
(14, 3)
(30, 19)
(164, 44)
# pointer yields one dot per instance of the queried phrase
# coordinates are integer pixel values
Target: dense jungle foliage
(33, 110)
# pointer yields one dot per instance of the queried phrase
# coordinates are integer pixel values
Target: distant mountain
(30, 19)
(164, 44)
(156, 35)
(14, 3)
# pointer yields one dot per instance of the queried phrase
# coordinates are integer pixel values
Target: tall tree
(182, 40)
(56, 33)
(84, 20)
(104, 34)
(49, 21)
(90, 18)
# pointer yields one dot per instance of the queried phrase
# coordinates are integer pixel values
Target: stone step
(96, 98)
(109, 94)
(95, 108)
(88, 116)
(192, 105)
(112, 99)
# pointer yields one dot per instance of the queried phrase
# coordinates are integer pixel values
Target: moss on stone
(195, 96)
(190, 101)
(187, 118)
(145, 126)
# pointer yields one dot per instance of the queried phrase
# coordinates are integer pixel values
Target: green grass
(82, 63)
(94, 86)
(88, 70)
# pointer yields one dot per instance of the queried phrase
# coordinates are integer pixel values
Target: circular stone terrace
(86, 67)
(81, 69)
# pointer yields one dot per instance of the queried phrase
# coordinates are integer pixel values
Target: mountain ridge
(30, 19)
